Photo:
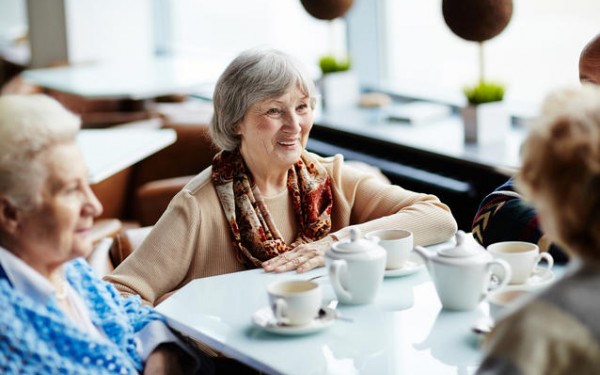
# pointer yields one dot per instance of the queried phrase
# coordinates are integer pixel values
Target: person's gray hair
(253, 76)
(561, 168)
(29, 124)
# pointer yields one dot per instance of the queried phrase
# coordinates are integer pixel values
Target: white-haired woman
(56, 315)
(266, 201)
(559, 332)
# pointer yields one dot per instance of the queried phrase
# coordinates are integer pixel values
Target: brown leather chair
(102, 234)
(153, 198)
(141, 193)
(158, 178)
(125, 242)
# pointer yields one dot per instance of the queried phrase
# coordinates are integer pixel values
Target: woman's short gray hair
(253, 76)
(29, 124)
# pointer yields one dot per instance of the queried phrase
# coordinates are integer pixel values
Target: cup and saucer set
(266, 320)
(412, 265)
(524, 259)
(400, 259)
(294, 309)
(356, 268)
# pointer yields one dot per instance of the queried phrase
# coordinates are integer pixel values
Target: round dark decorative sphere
(326, 9)
(477, 20)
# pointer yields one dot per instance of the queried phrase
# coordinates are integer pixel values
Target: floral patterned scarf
(254, 233)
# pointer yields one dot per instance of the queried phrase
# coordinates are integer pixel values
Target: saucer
(264, 319)
(539, 278)
(414, 264)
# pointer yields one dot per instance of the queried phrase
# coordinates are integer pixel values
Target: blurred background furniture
(157, 179)
(118, 91)
(139, 191)
(430, 158)
(135, 198)
(124, 243)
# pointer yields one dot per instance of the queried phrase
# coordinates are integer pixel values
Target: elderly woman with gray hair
(56, 315)
(557, 331)
(266, 201)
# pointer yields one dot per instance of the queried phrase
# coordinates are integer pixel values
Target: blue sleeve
(137, 328)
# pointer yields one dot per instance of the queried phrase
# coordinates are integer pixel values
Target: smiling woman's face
(57, 229)
(274, 131)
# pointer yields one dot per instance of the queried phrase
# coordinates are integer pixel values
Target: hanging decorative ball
(477, 20)
(326, 9)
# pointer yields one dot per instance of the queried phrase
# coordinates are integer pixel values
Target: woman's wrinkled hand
(303, 258)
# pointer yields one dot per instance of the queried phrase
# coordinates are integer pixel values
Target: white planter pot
(486, 123)
(339, 89)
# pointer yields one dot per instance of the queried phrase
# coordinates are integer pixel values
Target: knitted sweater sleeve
(372, 204)
(504, 216)
(163, 259)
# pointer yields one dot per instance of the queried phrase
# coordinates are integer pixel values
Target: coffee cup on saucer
(294, 302)
(523, 257)
(398, 245)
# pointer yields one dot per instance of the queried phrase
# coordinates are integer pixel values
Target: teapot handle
(504, 279)
(337, 268)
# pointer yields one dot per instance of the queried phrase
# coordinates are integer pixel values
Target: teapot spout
(426, 255)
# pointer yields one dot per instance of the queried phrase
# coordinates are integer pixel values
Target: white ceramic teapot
(462, 274)
(356, 268)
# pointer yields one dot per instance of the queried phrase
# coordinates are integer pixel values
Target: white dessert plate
(264, 319)
(414, 264)
(539, 278)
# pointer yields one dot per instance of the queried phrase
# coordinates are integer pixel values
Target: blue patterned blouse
(38, 338)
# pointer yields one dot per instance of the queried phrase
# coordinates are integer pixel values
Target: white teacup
(523, 258)
(397, 243)
(500, 300)
(295, 302)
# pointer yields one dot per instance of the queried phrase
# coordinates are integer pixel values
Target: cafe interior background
(400, 48)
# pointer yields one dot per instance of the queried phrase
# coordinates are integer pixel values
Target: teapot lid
(356, 244)
(461, 250)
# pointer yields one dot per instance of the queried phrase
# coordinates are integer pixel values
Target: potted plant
(331, 64)
(485, 117)
(338, 83)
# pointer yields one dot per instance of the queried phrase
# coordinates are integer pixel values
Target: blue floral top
(38, 338)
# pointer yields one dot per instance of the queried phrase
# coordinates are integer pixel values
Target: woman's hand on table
(302, 258)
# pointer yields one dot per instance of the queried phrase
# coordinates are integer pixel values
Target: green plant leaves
(329, 64)
(484, 92)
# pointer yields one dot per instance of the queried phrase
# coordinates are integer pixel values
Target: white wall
(109, 29)
(82, 31)
(219, 30)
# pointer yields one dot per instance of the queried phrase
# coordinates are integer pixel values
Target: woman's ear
(238, 130)
(8, 215)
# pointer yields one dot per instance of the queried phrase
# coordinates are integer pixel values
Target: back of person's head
(589, 62)
(29, 124)
(254, 75)
(561, 169)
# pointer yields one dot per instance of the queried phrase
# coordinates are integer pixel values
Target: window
(538, 51)
(219, 30)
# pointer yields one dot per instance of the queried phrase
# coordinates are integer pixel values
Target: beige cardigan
(192, 238)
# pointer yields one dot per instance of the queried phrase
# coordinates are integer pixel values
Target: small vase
(486, 123)
(339, 89)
